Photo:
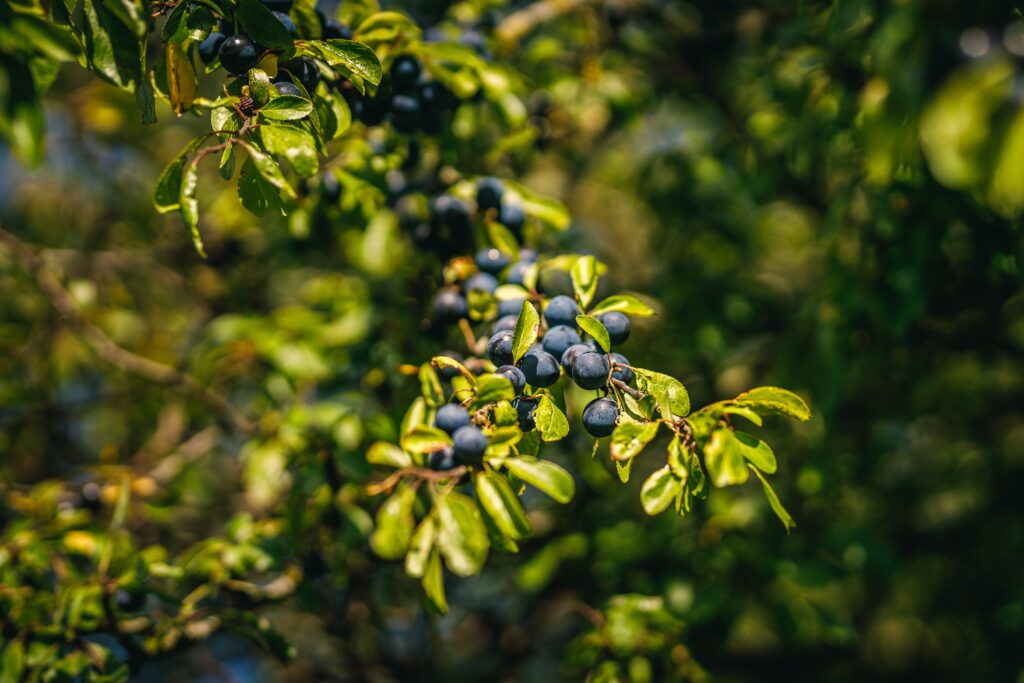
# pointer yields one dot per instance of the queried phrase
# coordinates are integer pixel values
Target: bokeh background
(819, 195)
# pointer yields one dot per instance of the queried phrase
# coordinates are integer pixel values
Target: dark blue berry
(450, 306)
(599, 417)
(590, 370)
(483, 282)
(470, 444)
(287, 22)
(210, 46)
(511, 215)
(570, 355)
(492, 260)
(489, 192)
(525, 407)
(405, 113)
(618, 372)
(450, 417)
(514, 375)
(505, 322)
(237, 55)
(510, 307)
(561, 310)
(286, 88)
(499, 348)
(517, 273)
(558, 339)
(541, 369)
(443, 459)
(405, 72)
(617, 325)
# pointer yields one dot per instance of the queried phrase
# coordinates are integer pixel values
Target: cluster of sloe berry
(446, 226)
(560, 349)
(238, 53)
(407, 97)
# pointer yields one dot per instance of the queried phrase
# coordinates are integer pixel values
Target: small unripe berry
(590, 370)
(599, 417)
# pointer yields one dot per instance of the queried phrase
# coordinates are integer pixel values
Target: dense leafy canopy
(251, 426)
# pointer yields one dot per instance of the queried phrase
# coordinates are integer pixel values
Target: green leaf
(356, 58)
(623, 303)
(262, 26)
(424, 439)
(385, 27)
(294, 144)
(724, 459)
(112, 50)
(503, 239)
(167, 193)
(743, 411)
(433, 584)
(622, 468)
(526, 330)
(462, 538)
(174, 30)
(190, 205)
(430, 386)
(257, 195)
(502, 505)
(773, 400)
(390, 537)
(584, 280)
(269, 170)
(596, 329)
(446, 362)
(286, 108)
(630, 438)
(491, 389)
(388, 455)
(669, 392)
(757, 452)
(420, 545)
(773, 500)
(551, 421)
(659, 490)
(544, 475)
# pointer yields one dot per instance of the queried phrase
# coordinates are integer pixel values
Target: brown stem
(108, 350)
(622, 386)
(419, 473)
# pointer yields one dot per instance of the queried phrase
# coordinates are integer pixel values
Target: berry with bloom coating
(505, 322)
(483, 282)
(443, 459)
(599, 417)
(570, 355)
(617, 325)
(561, 310)
(492, 260)
(512, 216)
(541, 369)
(590, 370)
(470, 444)
(510, 307)
(405, 71)
(525, 407)
(558, 339)
(514, 375)
(450, 417)
(517, 273)
(499, 348)
(450, 306)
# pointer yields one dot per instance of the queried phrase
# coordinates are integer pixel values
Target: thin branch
(109, 351)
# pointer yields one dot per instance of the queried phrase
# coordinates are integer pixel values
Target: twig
(109, 351)
(622, 386)
(416, 472)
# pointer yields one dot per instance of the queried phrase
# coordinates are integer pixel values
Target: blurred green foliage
(823, 196)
